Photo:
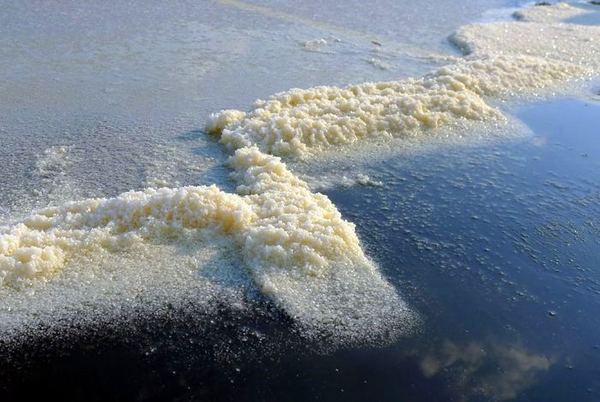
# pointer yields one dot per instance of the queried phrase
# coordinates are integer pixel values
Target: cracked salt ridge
(505, 59)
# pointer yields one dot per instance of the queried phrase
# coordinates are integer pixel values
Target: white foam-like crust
(303, 254)
(505, 59)
(294, 244)
(298, 249)
(196, 271)
(304, 122)
(48, 239)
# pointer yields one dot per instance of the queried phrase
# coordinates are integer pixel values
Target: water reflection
(496, 242)
(495, 371)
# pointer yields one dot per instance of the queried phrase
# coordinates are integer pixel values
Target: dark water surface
(499, 249)
(496, 246)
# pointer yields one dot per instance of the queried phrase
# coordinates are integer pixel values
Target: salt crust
(504, 59)
(296, 246)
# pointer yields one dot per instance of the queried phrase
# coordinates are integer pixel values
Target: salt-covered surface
(505, 59)
(294, 243)
(290, 243)
(542, 31)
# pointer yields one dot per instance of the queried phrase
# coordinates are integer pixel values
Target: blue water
(499, 248)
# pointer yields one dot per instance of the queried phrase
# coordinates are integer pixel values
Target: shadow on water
(496, 246)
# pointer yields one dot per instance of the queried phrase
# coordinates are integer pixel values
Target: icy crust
(505, 59)
(298, 249)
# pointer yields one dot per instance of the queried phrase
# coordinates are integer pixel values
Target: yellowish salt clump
(295, 244)
(303, 122)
